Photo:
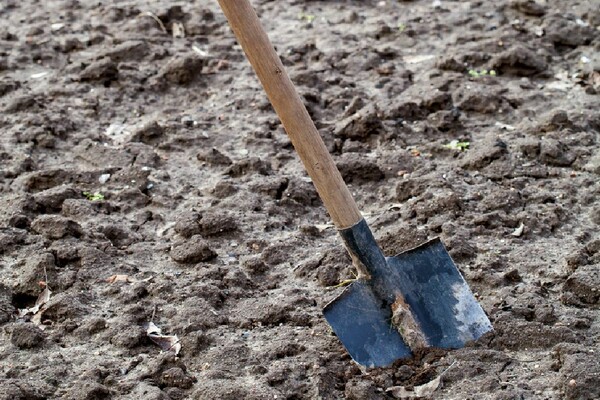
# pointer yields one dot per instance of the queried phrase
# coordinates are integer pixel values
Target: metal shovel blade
(423, 282)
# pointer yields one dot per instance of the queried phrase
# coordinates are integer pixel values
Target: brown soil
(205, 206)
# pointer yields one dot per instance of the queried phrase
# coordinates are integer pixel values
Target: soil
(131, 147)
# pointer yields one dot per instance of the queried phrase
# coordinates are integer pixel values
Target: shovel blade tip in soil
(442, 308)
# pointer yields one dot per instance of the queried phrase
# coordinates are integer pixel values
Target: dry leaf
(519, 231)
(425, 390)
(42, 299)
(322, 227)
(400, 392)
(118, 278)
(166, 342)
(35, 312)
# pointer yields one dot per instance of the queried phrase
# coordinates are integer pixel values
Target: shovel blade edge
(363, 325)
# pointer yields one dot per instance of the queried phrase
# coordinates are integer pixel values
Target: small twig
(46, 278)
(153, 314)
(158, 21)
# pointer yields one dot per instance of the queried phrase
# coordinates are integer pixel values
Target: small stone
(104, 178)
(192, 251)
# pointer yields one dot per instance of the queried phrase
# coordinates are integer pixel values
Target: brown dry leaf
(42, 299)
(35, 312)
(166, 342)
(118, 278)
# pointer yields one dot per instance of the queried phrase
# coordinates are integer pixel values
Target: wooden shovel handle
(292, 113)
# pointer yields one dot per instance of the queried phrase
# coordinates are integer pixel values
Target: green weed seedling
(458, 145)
(94, 196)
(484, 72)
(307, 17)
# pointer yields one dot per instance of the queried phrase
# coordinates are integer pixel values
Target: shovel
(398, 305)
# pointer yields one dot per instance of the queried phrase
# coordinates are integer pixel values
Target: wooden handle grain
(292, 113)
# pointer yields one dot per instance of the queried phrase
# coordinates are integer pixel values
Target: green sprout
(484, 72)
(401, 27)
(457, 145)
(94, 196)
(307, 17)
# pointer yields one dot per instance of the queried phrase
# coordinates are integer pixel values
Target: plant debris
(457, 145)
(35, 313)
(178, 30)
(97, 196)
(519, 231)
(484, 72)
(307, 17)
(166, 342)
(425, 390)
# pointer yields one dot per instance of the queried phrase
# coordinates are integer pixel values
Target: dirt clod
(182, 70)
(104, 70)
(519, 61)
(584, 284)
(27, 335)
(194, 250)
(196, 195)
(56, 227)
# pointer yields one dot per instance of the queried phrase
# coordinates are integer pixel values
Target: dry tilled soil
(145, 178)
